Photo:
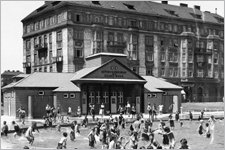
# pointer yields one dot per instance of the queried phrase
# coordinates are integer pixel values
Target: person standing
(23, 114)
(93, 112)
(149, 109)
(78, 111)
(160, 108)
(48, 110)
(29, 134)
(154, 111)
(128, 108)
(190, 116)
(19, 111)
(5, 129)
(69, 111)
(133, 111)
(101, 112)
(171, 108)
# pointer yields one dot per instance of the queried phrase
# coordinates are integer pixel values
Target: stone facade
(186, 52)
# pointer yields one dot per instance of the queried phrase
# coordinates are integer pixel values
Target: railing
(41, 46)
(116, 43)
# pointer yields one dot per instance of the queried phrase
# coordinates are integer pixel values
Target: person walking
(128, 108)
(160, 108)
(19, 111)
(102, 109)
(149, 109)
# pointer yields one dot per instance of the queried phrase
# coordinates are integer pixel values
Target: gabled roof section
(111, 70)
(48, 80)
(144, 7)
(156, 83)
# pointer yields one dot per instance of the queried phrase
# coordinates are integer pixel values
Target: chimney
(164, 2)
(215, 10)
(183, 5)
(197, 7)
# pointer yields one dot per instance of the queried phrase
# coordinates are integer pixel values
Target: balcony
(26, 64)
(208, 51)
(116, 44)
(200, 64)
(200, 50)
(41, 46)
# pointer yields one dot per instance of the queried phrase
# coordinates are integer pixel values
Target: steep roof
(155, 84)
(145, 7)
(43, 79)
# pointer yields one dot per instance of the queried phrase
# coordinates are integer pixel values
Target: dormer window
(197, 16)
(171, 12)
(96, 2)
(55, 3)
(129, 6)
(220, 20)
(41, 8)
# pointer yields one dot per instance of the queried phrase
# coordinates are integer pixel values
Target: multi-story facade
(181, 44)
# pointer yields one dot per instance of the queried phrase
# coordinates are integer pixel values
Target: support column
(30, 109)
(55, 101)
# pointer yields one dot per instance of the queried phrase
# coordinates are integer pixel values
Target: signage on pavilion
(113, 73)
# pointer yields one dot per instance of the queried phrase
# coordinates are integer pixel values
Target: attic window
(171, 12)
(129, 6)
(55, 3)
(96, 2)
(41, 8)
(196, 16)
(219, 19)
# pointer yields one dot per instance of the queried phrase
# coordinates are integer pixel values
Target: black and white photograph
(112, 74)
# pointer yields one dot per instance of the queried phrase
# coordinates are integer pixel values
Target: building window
(162, 71)
(162, 25)
(190, 58)
(110, 36)
(97, 42)
(189, 43)
(184, 73)
(190, 73)
(133, 47)
(120, 97)
(120, 37)
(50, 41)
(162, 41)
(162, 56)
(51, 70)
(28, 45)
(200, 58)
(149, 48)
(149, 25)
(175, 28)
(183, 57)
(200, 73)
(222, 60)
(92, 97)
(175, 72)
(209, 59)
(72, 95)
(65, 95)
(78, 67)
(216, 74)
(111, 21)
(209, 73)
(173, 57)
(45, 69)
(222, 74)
(97, 97)
(47, 22)
(184, 65)
(41, 92)
(149, 71)
(171, 72)
(59, 39)
(215, 57)
(106, 97)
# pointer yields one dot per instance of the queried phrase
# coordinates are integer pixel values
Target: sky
(12, 12)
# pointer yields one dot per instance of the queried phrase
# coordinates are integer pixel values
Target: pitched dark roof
(61, 81)
(11, 73)
(145, 7)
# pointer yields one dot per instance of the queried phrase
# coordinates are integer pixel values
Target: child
(170, 137)
(123, 123)
(171, 121)
(120, 119)
(191, 116)
(23, 113)
(58, 127)
(207, 131)
(200, 128)
(29, 135)
(5, 129)
(85, 121)
(177, 117)
(78, 111)
(91, 137)
(184, 145)
(16, 128)
(111, 119)
(62, 142)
